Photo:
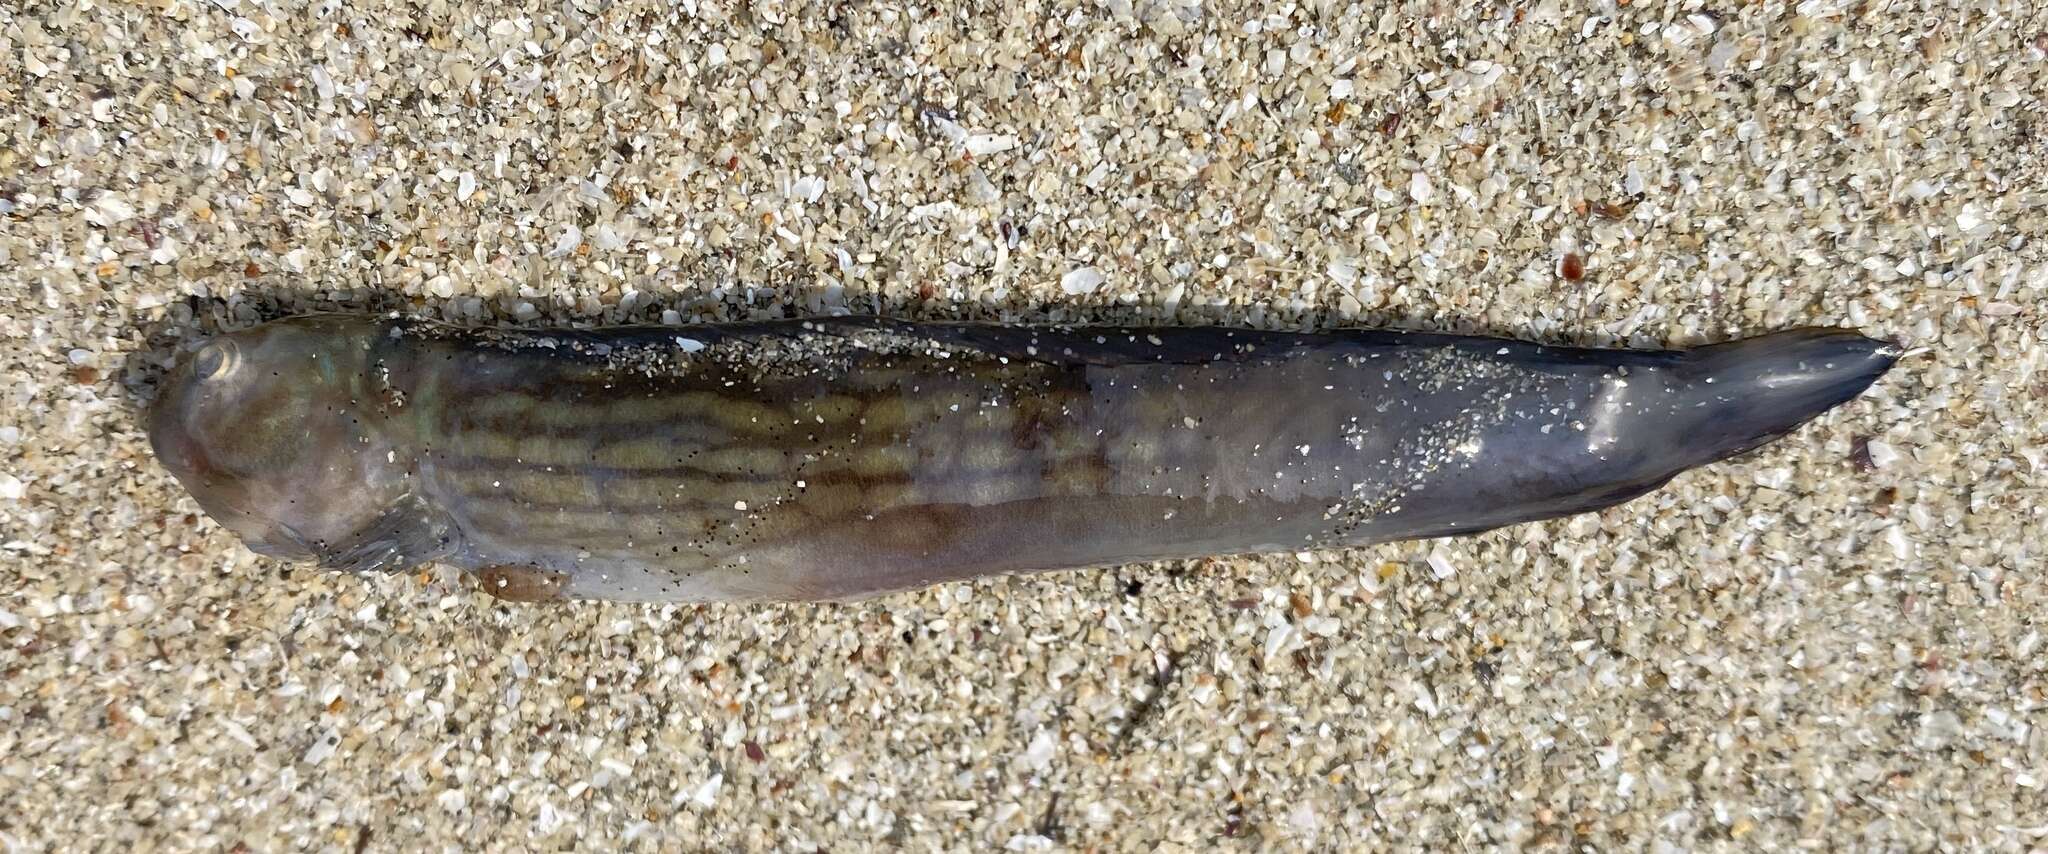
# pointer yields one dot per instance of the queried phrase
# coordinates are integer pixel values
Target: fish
(834, 459)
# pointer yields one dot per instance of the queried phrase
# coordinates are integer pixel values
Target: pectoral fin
(407, 535)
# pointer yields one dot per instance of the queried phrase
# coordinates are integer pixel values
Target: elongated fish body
(837, 458)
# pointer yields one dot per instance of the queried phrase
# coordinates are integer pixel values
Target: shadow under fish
(838, 458)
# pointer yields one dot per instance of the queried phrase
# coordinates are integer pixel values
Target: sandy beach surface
(1834, 643)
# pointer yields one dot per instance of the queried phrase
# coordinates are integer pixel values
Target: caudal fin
(1742, 394)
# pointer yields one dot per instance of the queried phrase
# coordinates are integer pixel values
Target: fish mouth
(218, 492)
(280, 542)
(173, 444)
(267, 537)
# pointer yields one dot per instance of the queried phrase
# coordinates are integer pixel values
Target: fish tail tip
(1814, 362)
(1750, 391)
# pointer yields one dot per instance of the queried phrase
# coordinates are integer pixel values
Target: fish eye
(215, 360)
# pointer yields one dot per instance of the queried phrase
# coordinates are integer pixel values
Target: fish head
(279, 433)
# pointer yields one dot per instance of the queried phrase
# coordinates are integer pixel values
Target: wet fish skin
(839, 458)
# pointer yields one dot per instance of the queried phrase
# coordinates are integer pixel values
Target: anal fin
(520, 583)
